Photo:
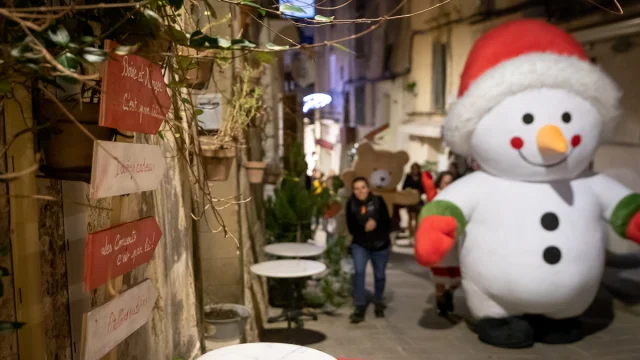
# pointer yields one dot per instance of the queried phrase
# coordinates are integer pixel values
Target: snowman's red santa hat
(521, 55)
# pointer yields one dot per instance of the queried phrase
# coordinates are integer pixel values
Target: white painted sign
(111, 323)
(138, 167)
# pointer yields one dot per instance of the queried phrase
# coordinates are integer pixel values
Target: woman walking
(369, 224)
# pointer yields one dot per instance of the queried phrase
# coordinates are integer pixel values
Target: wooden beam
(25, 240)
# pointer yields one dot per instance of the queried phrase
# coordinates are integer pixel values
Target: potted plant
(272, 173)
(195, 67)
(225, 322)
(255, 171)
(219, 148)
(64, 145)
(216, 160)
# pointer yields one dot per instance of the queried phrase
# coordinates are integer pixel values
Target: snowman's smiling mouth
(544, 165)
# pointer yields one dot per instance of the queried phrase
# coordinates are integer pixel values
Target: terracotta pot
(255, 171)
(198, 78)
(272, 174)
(65, 146)
(332, 209)
(217, 162)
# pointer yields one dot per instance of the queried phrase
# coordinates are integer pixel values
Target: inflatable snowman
(531, 111)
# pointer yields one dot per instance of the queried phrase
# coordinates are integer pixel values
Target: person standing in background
(369, 223)
(446, 275)
(413, 180)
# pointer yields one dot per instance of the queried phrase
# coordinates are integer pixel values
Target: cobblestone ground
(411, 330)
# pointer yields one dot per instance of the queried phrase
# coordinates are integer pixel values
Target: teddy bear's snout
(380, 179)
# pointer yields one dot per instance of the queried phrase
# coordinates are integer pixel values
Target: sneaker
(379, 310)
(358, 315)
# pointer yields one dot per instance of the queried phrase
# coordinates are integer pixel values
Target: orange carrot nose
(551, 139)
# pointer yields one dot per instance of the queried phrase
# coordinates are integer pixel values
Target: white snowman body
(535, 237)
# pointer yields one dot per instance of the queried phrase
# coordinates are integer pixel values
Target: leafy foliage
(290, 213)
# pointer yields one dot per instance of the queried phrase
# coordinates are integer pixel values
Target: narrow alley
(319, 180)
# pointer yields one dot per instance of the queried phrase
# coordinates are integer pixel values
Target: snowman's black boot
(444, 303)
(552, 331)
(511, 332)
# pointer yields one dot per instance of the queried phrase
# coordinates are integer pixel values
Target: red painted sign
(134, 94)
(112, 252)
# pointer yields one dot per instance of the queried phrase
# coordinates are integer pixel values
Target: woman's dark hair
(441, 176)
(359, 178)
(414, 165)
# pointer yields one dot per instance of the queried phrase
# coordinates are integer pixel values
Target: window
(439, 76)
(360, 105)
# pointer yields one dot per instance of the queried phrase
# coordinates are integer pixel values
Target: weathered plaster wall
(173, 330)
(54, 268)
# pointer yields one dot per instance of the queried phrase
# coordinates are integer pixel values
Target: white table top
(288, 269)
(289, 249)
(265, 351)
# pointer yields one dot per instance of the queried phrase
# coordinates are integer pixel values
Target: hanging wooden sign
(108, 325)
(115, 251)
(134, 94)
(135, 168)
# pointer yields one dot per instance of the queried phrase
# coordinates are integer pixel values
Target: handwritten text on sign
(134, 94)
(111, 323)
(115, 251)
(135, 168)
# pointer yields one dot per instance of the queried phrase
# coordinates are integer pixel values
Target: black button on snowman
(551, 254)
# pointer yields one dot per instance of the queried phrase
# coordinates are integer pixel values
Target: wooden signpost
(138, 167)
(115, 251)
(108, 325)
(134, 94)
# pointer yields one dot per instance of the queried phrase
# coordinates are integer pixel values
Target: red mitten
(434, 239)
(633, 229)
(428, 186)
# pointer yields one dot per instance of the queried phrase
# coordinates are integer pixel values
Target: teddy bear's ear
(365, 150)
(403, 157)
(347, 177)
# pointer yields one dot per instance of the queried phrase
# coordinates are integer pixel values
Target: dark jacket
(411, 183)
(359, 212)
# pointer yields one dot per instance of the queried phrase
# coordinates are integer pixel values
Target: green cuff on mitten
(445, 208)
(623, 212)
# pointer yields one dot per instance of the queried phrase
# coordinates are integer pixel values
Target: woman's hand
(370, 225)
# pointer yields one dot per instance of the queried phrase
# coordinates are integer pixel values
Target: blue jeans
(379, 259)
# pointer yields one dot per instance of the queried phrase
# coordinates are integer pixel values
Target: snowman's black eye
(527, 119)
(566, 117)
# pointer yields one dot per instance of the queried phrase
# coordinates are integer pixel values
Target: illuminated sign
(315, 101)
